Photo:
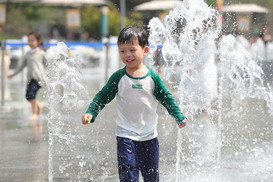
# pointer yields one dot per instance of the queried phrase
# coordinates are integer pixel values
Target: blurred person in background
(203, 70)
(257, 47)
(35, 60)
(266, 37)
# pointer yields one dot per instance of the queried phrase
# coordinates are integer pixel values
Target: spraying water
(66, 95)
(219, 86)
(76, 152)
(217, 99)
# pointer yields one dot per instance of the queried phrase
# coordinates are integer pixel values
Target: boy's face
(132, 54)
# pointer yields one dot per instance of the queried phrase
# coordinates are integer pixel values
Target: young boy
(138, 89)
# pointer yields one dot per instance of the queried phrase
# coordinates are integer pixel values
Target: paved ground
(88, 153)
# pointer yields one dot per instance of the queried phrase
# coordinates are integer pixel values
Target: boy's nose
(128, 54)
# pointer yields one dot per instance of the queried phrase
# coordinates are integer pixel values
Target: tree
(91, 21)
(17, 24)
(114, 20)
(24, 17)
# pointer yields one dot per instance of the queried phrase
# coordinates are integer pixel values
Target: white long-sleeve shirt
(35, 61)
(137, 100)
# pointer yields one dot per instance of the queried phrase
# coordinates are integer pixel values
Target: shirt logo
(137, 86)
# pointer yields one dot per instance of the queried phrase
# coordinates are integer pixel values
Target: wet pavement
(89, 152)
(24, 146)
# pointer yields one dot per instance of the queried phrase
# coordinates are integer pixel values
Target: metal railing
(3, 73)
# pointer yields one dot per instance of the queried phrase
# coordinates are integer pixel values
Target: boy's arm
(164, 96)
(103, 97)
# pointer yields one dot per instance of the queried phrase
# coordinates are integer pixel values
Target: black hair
(133, 32)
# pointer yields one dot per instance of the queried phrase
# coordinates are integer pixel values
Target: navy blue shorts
(135, 156)
(32, 89)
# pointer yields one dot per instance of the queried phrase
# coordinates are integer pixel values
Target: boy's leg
(127, 161)
(148, 154)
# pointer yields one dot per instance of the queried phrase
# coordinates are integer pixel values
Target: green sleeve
(164, 96)
(105, 95)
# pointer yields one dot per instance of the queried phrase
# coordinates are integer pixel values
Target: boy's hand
(182, 123)
(86, 118)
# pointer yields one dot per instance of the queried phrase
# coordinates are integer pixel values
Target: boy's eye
(132, 50)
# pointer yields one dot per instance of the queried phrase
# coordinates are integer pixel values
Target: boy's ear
(146, 50)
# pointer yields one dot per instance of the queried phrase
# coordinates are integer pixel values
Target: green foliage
(47, 16)
(17, 24)
(24, 17)
(91, 21)
(134, 18)
(211, 3)
(114, 20)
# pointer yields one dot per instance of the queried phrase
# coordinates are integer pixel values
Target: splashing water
(229, 136)
(228, 106)
(66, 95)
(77, 152)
